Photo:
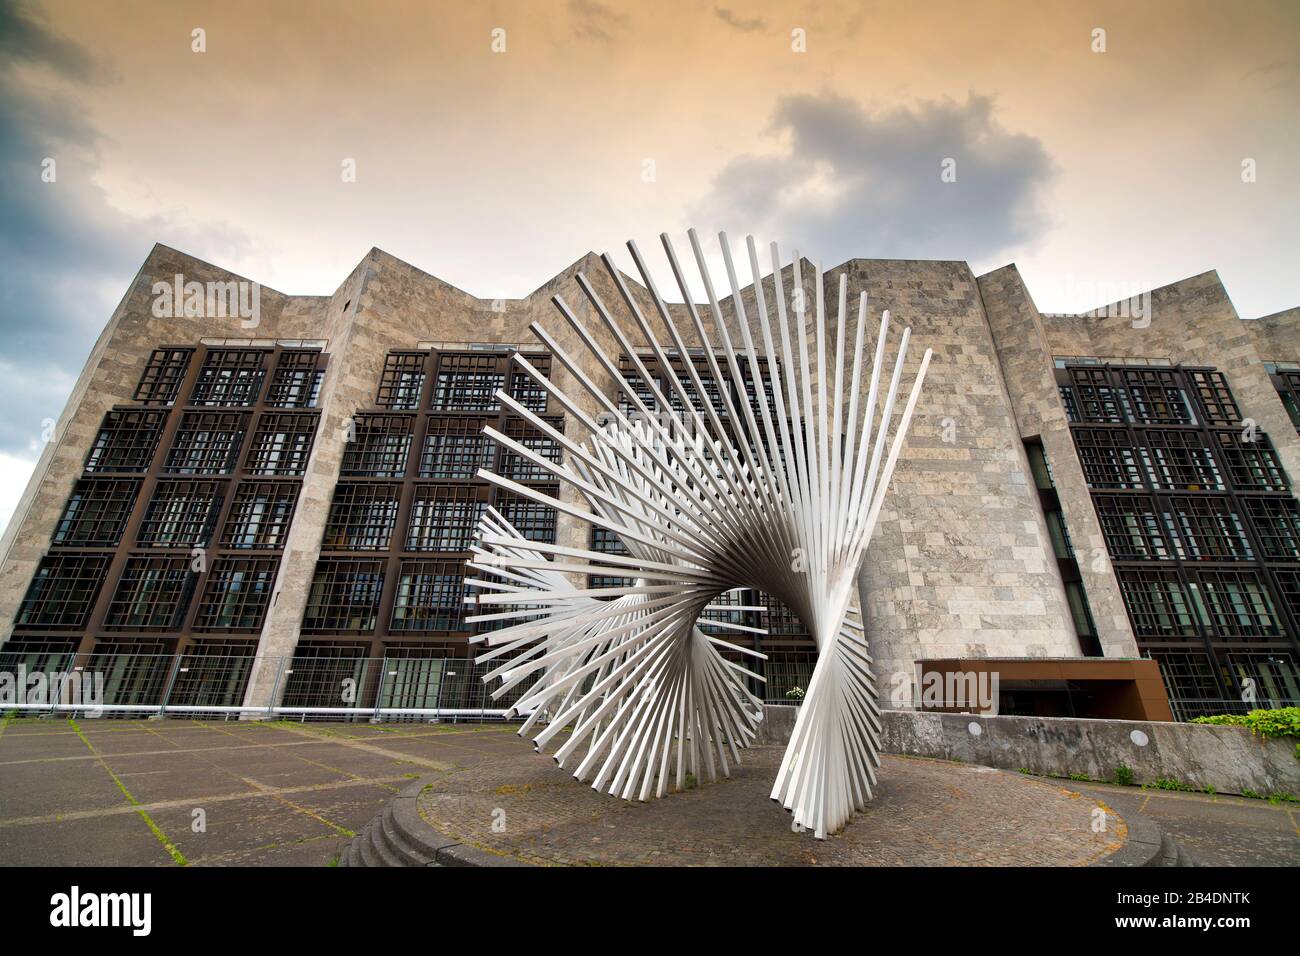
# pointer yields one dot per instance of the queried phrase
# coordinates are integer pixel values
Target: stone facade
(961, 564)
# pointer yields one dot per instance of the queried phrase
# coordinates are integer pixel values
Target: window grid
(1238, 604)
(62, 592)
(207, 443)
(430, 597)
(1133, 528)
(96, 513)
(151, 595)
(344, 596)
(1251, 462)
(260, 515)
(180, 514)
(402, 381)
(532, 519)
(1208, 529)
(163, 375)
(1180, 461)
(237, 595)
(126, 441)
(1216, 399)
(230, 377)
(1217, 514)
(378, 447)
(468, 383)
(281, 444)
(1277, 525)
(296, 381)
(518, 468)
(362, 517)
(444, 518)
(455, 448)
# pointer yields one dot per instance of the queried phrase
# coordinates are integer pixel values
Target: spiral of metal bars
(720, 496)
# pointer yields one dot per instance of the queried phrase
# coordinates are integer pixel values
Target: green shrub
(1124, 776)
(794, 693)
(1279, 722)
(1168, 783)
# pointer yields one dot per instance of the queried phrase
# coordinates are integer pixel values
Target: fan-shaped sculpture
(777, 491)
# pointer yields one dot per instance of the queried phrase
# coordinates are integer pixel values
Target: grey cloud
(66, 255)
(595, 21)
(857, 183)
(737, 22)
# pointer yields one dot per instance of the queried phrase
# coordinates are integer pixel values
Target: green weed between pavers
(168, 845)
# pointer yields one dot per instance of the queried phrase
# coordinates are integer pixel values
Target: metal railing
(303, 687)
(1186, 709)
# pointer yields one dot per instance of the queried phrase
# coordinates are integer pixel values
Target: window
(604, 541)
(62, 592)
(777, 619)
(362, 517)
(378, 447)
(1180, 461)
(517, 467)
(96, 513)
(443, 518)
(1277, 522)
(1216, 398)
(281, 444)
(1158, 397)
(126, 441)
(296, 381)
(1108, 460)
(402, 381)
(152, 595)
(1157, 603)
(468, 383)
(533, 520)
(1238, 604)
(1098, 400)
(1251, 462)
(1188, 676)
(229, 377)
(344, 596)
(430, 597)
(1209, 530)
(207, 443)
(455, 449)
(525, 390)
(162, 378)
(237, 594)
(260, 515)
(1132, 528)
(180, 514)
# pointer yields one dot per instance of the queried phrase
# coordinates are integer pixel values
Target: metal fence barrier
(313, 687)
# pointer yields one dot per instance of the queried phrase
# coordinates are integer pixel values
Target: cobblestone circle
(925, 813)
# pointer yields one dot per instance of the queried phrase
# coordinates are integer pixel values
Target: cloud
(595, 21)
(737, 22)
(66, 254)
(851, 183)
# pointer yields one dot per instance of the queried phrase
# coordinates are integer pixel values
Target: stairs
(399, 837)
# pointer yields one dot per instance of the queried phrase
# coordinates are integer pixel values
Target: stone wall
(1229, 759)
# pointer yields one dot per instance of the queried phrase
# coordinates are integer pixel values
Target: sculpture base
(522, 808)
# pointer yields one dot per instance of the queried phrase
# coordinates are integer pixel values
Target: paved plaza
(172, 792)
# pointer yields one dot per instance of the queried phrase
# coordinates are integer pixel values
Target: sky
(1100, 146)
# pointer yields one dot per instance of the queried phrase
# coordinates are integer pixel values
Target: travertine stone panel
(1026, 362)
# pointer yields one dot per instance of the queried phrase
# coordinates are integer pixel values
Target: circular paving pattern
(925, 813)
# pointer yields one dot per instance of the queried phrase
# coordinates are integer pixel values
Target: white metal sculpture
(721, 495)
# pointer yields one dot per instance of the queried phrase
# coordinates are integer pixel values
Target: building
(272, 505)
